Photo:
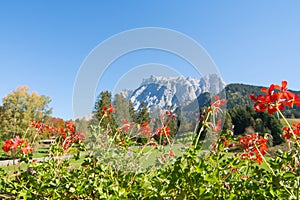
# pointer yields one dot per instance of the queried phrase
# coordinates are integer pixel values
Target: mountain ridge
(172, 92)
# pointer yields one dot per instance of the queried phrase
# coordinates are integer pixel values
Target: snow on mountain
(126, 93)
(171, 92)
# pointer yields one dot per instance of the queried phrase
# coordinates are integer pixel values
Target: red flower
(254, 147)
(66, 143)
(27, 149)
(171, 153)
(174, 116)
(296, 128)
(62, 132)
(168, 113)
(70, 126)
(288, 133)
(226, 142)
(263, 149)
(80, 136)
(145, 128)
(284, 93)
(218, 103)
(106, 110)
(7, 145)
(144, 124)
(217, 127)
(16, 142)
(126, 125)
(258, 159)
(275, 98)
(153, 144)
(110, 109)
(165, 131)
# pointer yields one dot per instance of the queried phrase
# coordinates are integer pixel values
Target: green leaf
(272, 192)
(288, 175)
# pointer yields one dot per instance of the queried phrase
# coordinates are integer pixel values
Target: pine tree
(122, 111)
(132, 113)
(228, 122)
(143, 114)
(103, 111)
(241, 119)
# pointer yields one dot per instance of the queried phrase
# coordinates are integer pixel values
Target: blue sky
(43, 43)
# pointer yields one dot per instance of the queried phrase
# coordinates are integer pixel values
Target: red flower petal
(283, 85)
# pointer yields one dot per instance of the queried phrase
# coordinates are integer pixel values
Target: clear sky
(43, 43)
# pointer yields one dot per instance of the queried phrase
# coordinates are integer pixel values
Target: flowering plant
(234, 167)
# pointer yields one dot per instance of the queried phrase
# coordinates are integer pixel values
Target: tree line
(21, 106)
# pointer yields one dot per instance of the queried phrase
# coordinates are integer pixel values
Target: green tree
(82, 125)
(245, 116)
(259, 125)
(131, 111)
(269, 124)
(19, 107)
(143, 114)
(103, 111)
(228, 122)
(241, 119)
(122, 111)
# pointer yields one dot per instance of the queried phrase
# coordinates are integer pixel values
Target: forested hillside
(238, 95)
(241, 114)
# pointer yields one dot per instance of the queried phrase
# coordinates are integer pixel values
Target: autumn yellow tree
(19, 107)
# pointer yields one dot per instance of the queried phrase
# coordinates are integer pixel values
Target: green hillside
(238, 95)
(241, 113)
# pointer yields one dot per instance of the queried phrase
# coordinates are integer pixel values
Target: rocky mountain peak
(171, 92)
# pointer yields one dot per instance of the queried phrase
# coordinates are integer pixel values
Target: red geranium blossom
(275, 98)
(255, 147)
(38, 125)
(27, 149)
(171, 153)
(288, 133)
(218, 103)
(106, 111)
(15, 143)
(164, 131)
(62, 132)
(127, 126)
(217, 127)
(7, 145)
(110, 109)
(168, 113)
(145, 129)
(70, 126)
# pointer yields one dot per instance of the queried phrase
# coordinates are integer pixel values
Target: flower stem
(272, 169)
(265, 160)
(202, 129)
(289, 126)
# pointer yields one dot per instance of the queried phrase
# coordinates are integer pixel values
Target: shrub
(194, 173)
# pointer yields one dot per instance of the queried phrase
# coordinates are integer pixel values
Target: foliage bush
(248, 174)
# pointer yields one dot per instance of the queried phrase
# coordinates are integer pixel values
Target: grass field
(19, 167)
(290, 120)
